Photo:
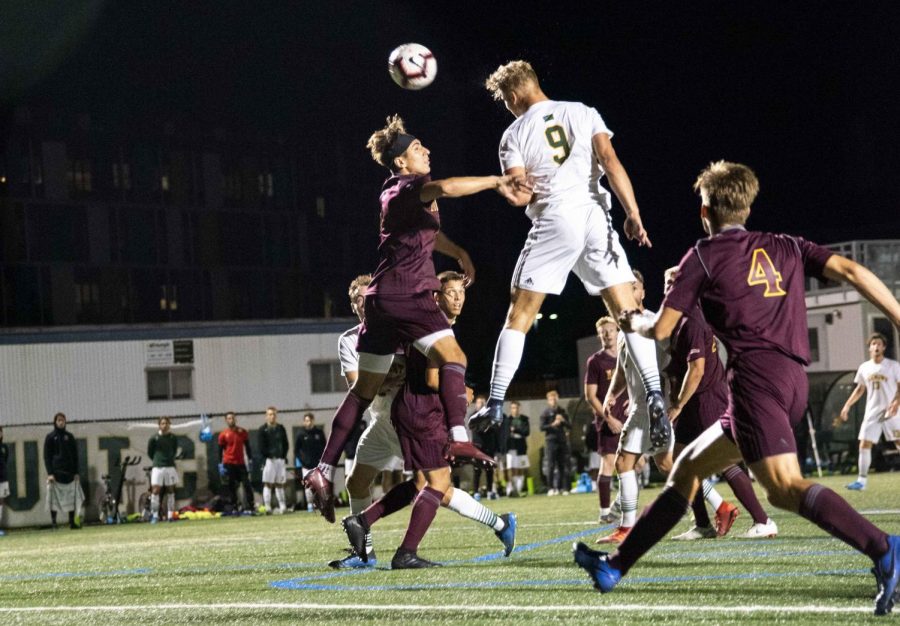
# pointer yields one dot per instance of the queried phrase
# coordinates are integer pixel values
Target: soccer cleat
(617, 536)
(323, 496)
(725, 516)
(356, 529)
(352, 561)
(695, 533)
(604, 576)
(660, 426)
(405, 559)
(887, 575)
(856, 486)
(508, 534)
(609, 518)
(463, 452)
(491, 414)
(768, 530)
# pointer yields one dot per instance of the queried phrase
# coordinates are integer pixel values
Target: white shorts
(635, 437)
(873, 429)
(348, 466)
(573, 239)
(517, 461)
(163, 477)
(379, 446)
(274, 472)
(594, 461)
(4, 489)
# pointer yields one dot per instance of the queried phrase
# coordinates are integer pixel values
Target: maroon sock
(345, 420)
(740, 484)
(391, 502)
(453, 393)
(701, 515)
(654, 523)
(603, 483)
(424, 509)
(831, 513)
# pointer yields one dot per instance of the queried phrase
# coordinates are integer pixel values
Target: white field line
(410, 608)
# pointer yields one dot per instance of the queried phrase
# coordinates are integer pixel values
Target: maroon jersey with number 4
(408, 229)
(750, 288)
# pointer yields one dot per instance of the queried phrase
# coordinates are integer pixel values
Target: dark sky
(805, 93)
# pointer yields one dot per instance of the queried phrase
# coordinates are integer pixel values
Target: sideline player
(565, 149)
(162, 448)
(699, 399)
(879, 379)
(273, 447)
(63, 482)
(4, 480)
(761, 278)
(234, 442)
(400, 307)
(517, 451)
(380, 446)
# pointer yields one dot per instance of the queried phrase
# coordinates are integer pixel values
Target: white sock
(604, 511)
(309, 497)
(629, 497)
(279, 494)
(458, 433)
(327, 471)
(465, 505)
(645, 474)
(520, 483)
(508, 355)
(711, 495)
(154, 503)
(170, 504)
(358, 505)
(643, 353)
(267, 497)
(865, 461)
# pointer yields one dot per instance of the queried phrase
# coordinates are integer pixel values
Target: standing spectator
(517, 451)
(273, 445)
(4, 480)
(162, 450)
(234, 442)
(63, 484)
(555, 425)
(308, 450)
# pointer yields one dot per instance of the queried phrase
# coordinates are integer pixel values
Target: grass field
(272, 570)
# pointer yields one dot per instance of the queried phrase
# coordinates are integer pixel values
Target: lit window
(320, 206)
(325, 377)
(174, 383)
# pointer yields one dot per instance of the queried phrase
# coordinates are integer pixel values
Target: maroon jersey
(693, 339)
(408, 230)
(601, 367)
(750, 288)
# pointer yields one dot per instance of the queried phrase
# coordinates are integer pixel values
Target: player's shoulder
(350, 333)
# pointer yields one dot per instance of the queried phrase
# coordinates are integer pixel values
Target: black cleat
(660, 426)
(356, 528)
(491, 414)
(404, 559)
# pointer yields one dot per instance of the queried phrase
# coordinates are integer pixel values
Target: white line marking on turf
(266, 606)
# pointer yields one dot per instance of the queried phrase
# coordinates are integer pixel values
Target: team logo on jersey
(528, 281)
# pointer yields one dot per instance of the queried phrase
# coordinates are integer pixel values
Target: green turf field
(272, 570)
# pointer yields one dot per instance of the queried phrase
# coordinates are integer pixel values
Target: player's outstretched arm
(659, 328)
(842, 269)
(853, 399)
(621, 186)
(444, 245)
(458, 187)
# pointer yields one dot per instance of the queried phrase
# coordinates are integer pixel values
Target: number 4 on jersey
(763, 272)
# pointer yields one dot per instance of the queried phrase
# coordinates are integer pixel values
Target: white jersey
(634, 384)
(881, 381)
(347, 350)
(552, 141)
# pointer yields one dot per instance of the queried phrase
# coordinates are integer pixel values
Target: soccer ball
(412, 66)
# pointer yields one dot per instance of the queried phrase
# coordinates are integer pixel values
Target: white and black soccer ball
(412, 66)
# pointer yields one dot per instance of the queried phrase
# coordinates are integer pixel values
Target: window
(79, 175)
(320, 206)
(87, 300)
(173, 383)
(122, 176)
(266, 189)
(326, 377)
(813, 345)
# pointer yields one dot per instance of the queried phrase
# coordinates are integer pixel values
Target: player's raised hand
(517, 189)
(467, 267)
(634, 230)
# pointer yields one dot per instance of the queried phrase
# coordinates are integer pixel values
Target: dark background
(805, 93)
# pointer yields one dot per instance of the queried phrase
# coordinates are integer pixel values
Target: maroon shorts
(769, 392)
(392, 321)
(607, 440)
(702, 411)
(421, 429)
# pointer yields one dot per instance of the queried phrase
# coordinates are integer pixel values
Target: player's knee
(357, 486)
(787, 495)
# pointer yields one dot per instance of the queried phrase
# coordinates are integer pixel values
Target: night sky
(805, 93)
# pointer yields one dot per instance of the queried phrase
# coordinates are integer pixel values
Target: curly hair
(381, 140)
(509, 77)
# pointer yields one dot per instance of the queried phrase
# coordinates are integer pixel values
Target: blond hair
(727, 190)
(363, 280)
(381, 140)
(509, 77)
(670, 272)
(606, 319)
